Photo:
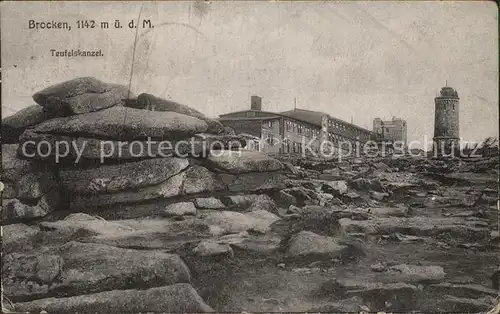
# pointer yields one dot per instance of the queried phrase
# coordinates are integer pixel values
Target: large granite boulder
(413, 274)
(121, 123)
(13, 168)
(419, 226)
(177, 298)
(308, 243)
(131, 175)
(80, 95)
(33, 186)
(31, 189)
(141, 234)
(150, 102)
(193, 180)
(16, 210)
(13, 126)
(254, 182)
(18, 237)
(242, 161)
(200, 179)
(81, 268)
(167, 189)
(233, 222)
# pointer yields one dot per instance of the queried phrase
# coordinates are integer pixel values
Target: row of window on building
(292, 147)
(336, 138)
(333, 124)
(300, 129)
(315, 133)
(289, 145)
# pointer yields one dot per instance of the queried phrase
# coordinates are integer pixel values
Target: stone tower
(446, 122)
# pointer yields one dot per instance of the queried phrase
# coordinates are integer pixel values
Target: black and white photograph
(249, 156)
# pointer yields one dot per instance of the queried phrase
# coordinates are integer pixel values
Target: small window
(269, 139)
(270, 124)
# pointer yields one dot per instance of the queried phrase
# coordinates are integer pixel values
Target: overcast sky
(355, 59)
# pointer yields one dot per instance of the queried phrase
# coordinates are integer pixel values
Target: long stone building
(295, 130)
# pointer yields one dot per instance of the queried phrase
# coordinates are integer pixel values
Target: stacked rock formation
(89, 147)
(103, 225)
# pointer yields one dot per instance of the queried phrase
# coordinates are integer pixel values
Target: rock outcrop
(81, 95)
(119, 204)
(81, 150)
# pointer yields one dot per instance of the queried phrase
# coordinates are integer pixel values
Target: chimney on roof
(256, 103)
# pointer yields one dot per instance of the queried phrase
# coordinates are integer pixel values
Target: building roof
(249, 136)
(273, 116)
(308, 116)
(448, 92)
(315, 117)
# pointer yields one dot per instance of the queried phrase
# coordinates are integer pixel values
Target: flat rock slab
(178, 298)
(388, 211)
(233, 222)
(150, 102)
(85, 225)
(245, 200)
(354, 305)
(464, 305)
(170, 188)
(474, 178)
(121, 123)
(131, 175)
(152, 233)
(179, 209)
(13, 126)
(193, 180)
(330, 177)
(254, 182)
(211, 248)
(80, 268)
(419, 226)
(209, 203)
(463, 290)
(336, 188)
(264, 244)
(80, 95)
(391, 296)
(243, 161)
(308, 243)
(412, 274)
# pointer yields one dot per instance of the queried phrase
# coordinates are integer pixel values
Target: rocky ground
(235, 232)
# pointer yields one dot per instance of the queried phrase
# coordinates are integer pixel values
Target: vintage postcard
(249, 156)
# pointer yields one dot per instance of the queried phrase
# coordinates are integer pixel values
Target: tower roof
(448, 92)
